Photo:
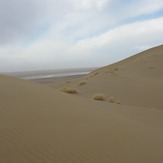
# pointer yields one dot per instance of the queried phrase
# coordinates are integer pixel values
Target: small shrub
(96, 73)
(82, 83)
(69, 81)
(116, 69)
(118, 102)
(69, 90)
(112, 99)
(100, 97)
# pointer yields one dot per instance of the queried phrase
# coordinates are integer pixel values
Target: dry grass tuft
(100, 97)
(112, 99)
(118, 102)
(69, 81)
(96, 73)
(69, 90)
(82, 83)
(116, 69)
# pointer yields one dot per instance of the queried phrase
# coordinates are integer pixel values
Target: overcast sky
(50, 34)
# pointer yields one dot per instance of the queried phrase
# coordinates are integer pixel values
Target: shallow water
(29, 75)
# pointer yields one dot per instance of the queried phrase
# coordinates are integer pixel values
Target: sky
(57, 34)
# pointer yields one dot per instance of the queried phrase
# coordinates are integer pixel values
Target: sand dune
(134, 81)
(41, 124)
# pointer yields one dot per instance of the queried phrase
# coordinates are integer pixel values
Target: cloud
(75, 33)
(122, 40)
(86, 5)
(23, 20)
(17, 19)
(104, 49)
(142, 47)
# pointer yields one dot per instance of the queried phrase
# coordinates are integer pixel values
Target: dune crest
(136, 80)
(42, 124)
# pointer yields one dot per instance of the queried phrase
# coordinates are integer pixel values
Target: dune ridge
(41, 124)
(135, 81)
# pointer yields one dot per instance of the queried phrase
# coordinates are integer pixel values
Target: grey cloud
(16, 19)
(68, 23)
(20, 18)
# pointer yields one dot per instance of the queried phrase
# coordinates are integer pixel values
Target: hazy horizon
(44, 35)
(54, 69)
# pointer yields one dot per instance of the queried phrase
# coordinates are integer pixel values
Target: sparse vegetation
(118, 102)
(100, 97)
(82, 83)
(69, 81)
(112, 99)
(116, 69)
(69, 90)
(96, 73)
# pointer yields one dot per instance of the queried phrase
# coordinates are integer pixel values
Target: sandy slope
(40, 124)
(136, 81)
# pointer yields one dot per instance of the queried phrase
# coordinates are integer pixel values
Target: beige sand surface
(136, 81)
(39, 124)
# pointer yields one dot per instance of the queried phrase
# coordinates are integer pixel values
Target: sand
(136, 81)
(40, 123)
